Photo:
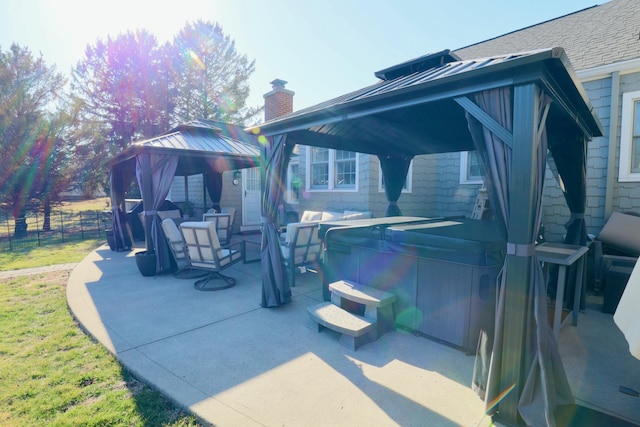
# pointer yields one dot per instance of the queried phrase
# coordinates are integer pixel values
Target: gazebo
(512, 109)
(198, 147)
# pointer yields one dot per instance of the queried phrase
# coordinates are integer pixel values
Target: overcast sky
(323, 48)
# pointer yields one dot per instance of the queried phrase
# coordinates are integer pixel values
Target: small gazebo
(198, 147)
(512, 109)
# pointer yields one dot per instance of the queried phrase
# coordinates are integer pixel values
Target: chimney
(279, 101)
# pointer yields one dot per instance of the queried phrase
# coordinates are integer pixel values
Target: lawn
(53, 374)
(64, 253)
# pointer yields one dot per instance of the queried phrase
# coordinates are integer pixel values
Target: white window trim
(332, 163)
(289, 180)
(626, 138)
(464, 168)
(409, 179)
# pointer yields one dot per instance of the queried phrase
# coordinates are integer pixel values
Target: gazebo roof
(199, 142)
(419, 112)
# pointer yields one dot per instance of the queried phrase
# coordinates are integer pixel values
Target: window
(294, 182)
(470, 171)
(629, 168)
(331, 169)
(407, 182)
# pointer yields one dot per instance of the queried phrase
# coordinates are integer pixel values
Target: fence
(64, 227)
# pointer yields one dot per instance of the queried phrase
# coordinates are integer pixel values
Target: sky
(322, 48)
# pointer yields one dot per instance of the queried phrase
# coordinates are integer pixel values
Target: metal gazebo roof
(422, 108)
(197, 143)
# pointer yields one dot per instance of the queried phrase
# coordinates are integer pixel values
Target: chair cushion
(169, 214)
(171, 230)
(309, 216)
(622, 233)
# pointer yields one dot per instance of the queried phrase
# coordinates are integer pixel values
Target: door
(251, 209)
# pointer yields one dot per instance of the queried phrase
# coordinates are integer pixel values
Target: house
(603, 46)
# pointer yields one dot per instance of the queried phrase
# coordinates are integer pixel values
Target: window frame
(331, 186)
(408, 183)
(289, 200)
(625, 173)
(464, 170)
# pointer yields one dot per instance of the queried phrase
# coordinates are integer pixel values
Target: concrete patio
(234, 363)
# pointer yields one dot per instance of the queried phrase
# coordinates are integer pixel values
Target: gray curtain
(570, 159)
(276, 289)
(155, 174)
(116, 188)
(394, 171)
(213, 183)
(546, 384)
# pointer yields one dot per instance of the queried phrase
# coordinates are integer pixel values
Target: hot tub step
(356, 330)
(370, 297)
(378, 304)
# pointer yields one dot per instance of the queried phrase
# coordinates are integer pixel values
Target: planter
(146, 262)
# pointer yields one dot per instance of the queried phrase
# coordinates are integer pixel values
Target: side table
(564, 256)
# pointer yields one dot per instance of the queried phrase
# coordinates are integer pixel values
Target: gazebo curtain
(155, 174)
(570, 158)
(117, 193)
(546, 383)
(213, 183)
(276, 289)
(394, 171)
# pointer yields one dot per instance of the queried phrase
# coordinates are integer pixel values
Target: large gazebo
(512, 109)
(199, 147)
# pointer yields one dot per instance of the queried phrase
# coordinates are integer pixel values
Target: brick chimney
(279, 101)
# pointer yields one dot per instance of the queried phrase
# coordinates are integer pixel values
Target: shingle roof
(592, 37)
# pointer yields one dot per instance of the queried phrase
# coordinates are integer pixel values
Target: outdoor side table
(564, 256)
(252, 239)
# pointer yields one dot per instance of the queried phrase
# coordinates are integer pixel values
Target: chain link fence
(64, 226)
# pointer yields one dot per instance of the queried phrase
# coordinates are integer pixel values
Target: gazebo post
(518, 271)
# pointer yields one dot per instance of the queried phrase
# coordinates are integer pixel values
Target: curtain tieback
(393, 203)
(147, 213)
(521, 249)
(266, 220)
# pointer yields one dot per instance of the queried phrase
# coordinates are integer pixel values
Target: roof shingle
(592, 37)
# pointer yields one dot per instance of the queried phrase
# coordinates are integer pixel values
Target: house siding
(419, 202)
(201, 201)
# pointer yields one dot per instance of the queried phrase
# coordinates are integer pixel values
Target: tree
(28, 88)
(211, 77)
(122, 90)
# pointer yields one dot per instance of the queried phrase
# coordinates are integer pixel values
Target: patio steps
(356, 330)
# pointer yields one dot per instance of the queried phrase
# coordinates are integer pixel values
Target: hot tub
(442, 271)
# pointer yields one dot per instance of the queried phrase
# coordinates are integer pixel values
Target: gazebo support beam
(518, 279)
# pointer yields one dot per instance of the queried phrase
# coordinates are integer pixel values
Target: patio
(232, 362)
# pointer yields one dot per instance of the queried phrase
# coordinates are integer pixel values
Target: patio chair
(300, 248)
(224, 224)
(618, 243)
(205, 253)
(178, 250)
(231, 211)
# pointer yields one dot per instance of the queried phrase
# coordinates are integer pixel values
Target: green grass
(48, 255)
(51, 373)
